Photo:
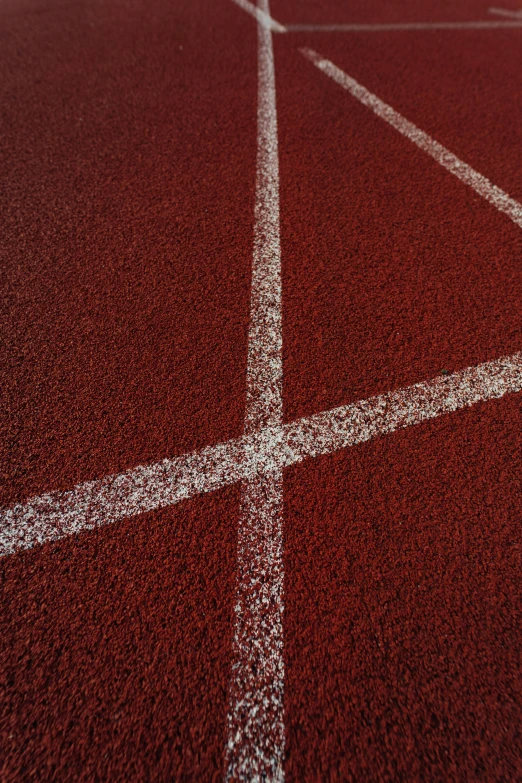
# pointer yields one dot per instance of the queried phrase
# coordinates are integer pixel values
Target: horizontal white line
(443, 156)
(262, 17)
(399, 26)
(165, 483)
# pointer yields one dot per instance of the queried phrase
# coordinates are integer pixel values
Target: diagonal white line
(146, 488)
(262, 16)
(97, 503)
(401, 26)
(443, 156)
(505, 12)
(349, 425)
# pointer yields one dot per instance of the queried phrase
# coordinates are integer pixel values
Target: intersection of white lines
(256, 733)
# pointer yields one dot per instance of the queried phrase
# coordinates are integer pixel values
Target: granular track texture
(322, 599)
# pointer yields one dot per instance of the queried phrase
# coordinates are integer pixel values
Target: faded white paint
(505, 12)
(262, 16)
(390, 27)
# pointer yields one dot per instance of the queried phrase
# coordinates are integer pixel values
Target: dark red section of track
(126, 260)
(403, 605)
(115, 650)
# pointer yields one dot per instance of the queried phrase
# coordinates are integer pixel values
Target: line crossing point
(255, 723)
(94, 504)
(262, 16)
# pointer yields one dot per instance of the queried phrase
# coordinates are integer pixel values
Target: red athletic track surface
(127, 262)
(408, 271)
(377, 11)
(129, 148)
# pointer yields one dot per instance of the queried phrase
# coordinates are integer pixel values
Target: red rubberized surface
(408, 271)
(403, 617)
(126, 263)
(379, 12)
(128, 205)
(115, 649)
(458, 87)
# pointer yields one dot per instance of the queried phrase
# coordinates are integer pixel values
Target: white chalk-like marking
(256, 733)
(262, 16)
(264, 402)
(147, 488)
(480, 184)
(255, 723)
(390, 27)
(97, 503)
(505, 12)
(349, 425)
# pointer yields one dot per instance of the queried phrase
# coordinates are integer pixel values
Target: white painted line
(96, 503)
(264, 402)
(349, 425)
(256, 732)
(400, 26)
(255, 723)
(147, 488)
(443, 156)
(505, 12)
(262, 16)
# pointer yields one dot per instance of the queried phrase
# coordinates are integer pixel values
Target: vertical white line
(256, 734)
(264, 403)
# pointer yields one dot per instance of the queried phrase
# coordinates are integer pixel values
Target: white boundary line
(264, 18)
(443, 156)
(400, 26)
(264, 394)
(255, 723)
(147, 488)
